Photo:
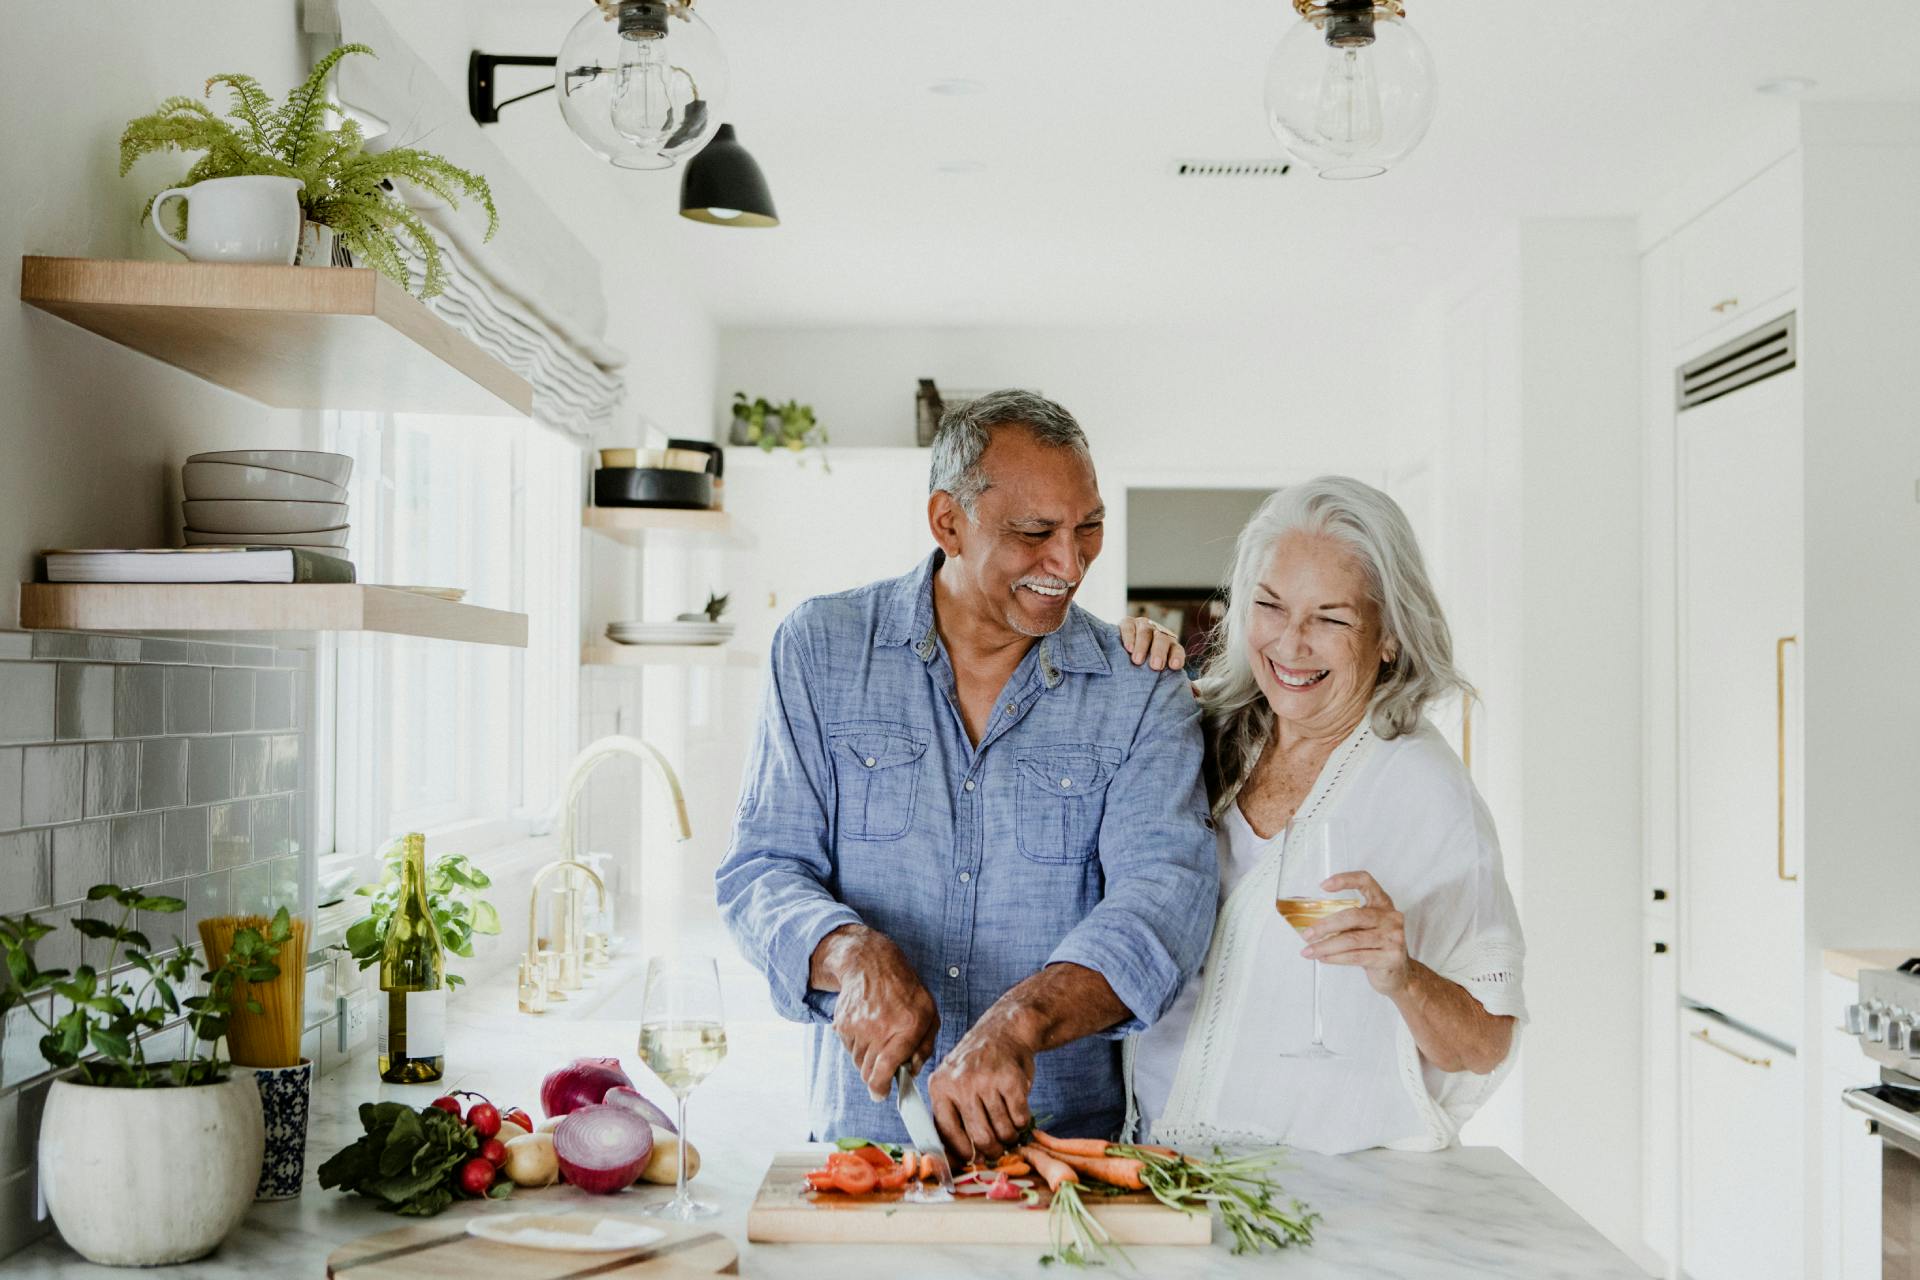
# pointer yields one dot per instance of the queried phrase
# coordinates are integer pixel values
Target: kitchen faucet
(536, 988)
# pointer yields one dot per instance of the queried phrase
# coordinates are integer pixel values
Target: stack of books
(197, 564)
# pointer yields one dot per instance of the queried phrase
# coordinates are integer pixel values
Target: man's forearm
(1058, 1005)
(823, 973)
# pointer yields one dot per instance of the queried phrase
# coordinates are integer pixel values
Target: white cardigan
(1429, 841)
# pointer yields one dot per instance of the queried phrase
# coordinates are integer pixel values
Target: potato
(531, 1162)
(509, 1131)
(664, 1167)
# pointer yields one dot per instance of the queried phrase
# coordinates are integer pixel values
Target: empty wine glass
(1312, 852)
(683, 1037)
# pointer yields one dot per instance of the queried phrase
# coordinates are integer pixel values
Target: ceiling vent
(1231, 168)
(1751, 357)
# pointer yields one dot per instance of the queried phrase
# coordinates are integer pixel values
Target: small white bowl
(334, 468)
(229, 481)
(311, 538)
(264, 517)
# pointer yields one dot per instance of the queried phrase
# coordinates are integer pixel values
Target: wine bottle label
(426, 1023)
(381, 1034)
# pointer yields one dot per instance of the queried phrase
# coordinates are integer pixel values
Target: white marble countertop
(1469, 1212)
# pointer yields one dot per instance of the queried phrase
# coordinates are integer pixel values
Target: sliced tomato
(874, 1156)
(845, 1159)
(893, 1178)
(855, 1179)
(821, 1180)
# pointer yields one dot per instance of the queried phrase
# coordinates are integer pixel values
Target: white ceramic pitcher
(250, 219)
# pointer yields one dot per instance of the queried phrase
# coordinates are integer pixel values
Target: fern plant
(343, 186)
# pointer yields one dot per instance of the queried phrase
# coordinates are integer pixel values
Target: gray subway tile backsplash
(252, 766)
(26, 701)
(52, 782)
(112, 778)
(283, 772)
(139, 702)
(273, 700)
(183, 842)
(82, 858)
(163, 773)
(209, 770)
(136, 849)
(10, 762)
(232, 700)
(273, 827)
(83, 701)
(229, 838)
(189, 700)
(26, 878)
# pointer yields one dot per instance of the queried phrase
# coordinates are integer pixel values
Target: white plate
(334, 468)
(229, 480)
(264, 517)
(566, 1232)
(311, 538)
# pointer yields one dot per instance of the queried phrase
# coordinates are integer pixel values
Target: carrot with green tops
(1053, 1170)
(1071, 1146)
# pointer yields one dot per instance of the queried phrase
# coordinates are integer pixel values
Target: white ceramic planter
(142, 1177)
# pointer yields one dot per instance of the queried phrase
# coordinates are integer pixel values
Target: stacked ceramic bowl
(267, 497)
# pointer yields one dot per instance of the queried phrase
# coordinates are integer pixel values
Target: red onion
(602, 1149)
(581, 1083)
(635, 1101)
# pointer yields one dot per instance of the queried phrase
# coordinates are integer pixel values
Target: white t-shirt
(1217, 1066)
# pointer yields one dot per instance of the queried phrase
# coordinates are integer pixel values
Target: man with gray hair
(972, 832)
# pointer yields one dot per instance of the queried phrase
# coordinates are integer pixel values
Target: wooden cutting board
(443, 1250)
(787, 1212)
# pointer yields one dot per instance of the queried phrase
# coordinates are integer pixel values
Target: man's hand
(884, 1015)
(980, 1090)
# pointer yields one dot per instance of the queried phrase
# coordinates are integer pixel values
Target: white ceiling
(1548, 108)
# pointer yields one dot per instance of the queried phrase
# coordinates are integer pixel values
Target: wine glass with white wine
(683, 1037)
(1312, 852)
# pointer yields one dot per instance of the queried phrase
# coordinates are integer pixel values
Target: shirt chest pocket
(1060, 798)
(877, 767)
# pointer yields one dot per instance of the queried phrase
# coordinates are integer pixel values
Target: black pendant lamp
(722, 185)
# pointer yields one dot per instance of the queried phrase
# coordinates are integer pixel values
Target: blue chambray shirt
(1076, 831)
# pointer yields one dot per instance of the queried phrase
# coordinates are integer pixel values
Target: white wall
(1185, 537)
(95, 433)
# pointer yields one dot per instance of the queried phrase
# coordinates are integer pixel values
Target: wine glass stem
(1317, 1042)
(680, 1173)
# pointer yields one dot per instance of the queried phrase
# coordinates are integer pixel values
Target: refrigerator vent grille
(1753, 356)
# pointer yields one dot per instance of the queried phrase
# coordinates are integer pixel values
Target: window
(465, 742)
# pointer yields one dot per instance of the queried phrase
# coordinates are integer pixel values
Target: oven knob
(1876, 1028)
(1855, 1019)
(1899, 1035)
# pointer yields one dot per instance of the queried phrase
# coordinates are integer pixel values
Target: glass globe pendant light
(1350, 87)
(641, 82)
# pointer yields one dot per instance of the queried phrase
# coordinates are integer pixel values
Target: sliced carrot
(1054, 1171)
(1112, 1170)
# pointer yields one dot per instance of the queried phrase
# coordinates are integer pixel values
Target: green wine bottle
(413, 1005)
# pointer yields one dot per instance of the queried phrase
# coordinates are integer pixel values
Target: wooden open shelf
(631, 524)
(665, 655)
(291, 337)
(150, 608)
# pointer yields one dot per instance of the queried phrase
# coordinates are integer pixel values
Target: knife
(918, 1117)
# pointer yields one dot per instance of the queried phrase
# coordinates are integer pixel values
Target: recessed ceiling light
(959, 166)
(955, 88)
(1785, 86)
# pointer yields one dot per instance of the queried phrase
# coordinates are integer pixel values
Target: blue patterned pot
(283, 1104)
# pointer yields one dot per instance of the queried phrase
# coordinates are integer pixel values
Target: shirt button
(953, 971)
(1012, 707)
(1066, 782)
(969, 784)
(871, 762)
(965, 876)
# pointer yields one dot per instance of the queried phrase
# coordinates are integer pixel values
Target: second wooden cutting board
(786, 1212)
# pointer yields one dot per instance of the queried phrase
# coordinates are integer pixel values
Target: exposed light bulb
(1347, 115)
(725, 215)
(641, 105)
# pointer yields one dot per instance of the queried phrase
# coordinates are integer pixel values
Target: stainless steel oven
(1887, 1021)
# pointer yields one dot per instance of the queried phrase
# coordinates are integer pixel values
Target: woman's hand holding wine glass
(1372, 935)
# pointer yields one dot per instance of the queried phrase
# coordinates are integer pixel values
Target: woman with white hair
(1333, 646)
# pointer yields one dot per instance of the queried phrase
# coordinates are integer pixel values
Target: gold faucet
(538, 986)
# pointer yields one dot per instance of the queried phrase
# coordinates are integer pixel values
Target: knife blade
(918, 1117)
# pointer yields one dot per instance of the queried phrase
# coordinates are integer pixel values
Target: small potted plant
(789, 426)
(453, 896)
(106, 1119)
(346, 191)
(749, 419)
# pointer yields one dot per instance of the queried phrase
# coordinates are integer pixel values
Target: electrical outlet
(356, 1020)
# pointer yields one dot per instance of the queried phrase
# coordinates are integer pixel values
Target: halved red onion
(602, 1149)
